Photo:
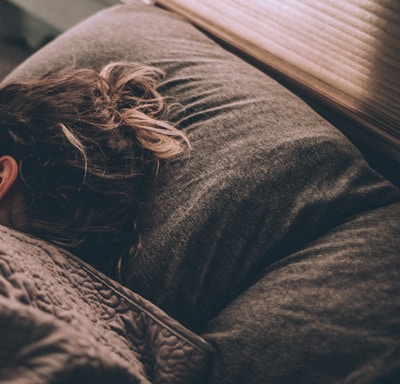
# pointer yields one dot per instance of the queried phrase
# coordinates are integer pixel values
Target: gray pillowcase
(266, 176)
(328, 313)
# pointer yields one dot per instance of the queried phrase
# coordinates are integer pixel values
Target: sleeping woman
(77, 148)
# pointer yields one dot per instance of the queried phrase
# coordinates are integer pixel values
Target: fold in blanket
(63, 322)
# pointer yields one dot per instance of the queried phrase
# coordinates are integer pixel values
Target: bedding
(61, 321)
(266, 174)
(328, 313)
(275, 241)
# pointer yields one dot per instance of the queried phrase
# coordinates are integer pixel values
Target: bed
(271, 255)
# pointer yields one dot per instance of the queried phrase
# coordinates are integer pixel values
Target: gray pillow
(266, 176)
(328, 313)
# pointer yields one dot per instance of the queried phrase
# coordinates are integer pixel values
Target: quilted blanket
(61, 321)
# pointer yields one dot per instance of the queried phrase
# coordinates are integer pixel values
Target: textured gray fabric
(63, 322)
(266, 175)
(269, 186)
(329, 313)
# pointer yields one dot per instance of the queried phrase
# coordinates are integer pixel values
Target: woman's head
(84, 143)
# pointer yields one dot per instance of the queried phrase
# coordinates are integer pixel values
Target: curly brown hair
(86, 143)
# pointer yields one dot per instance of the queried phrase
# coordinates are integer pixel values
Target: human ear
(8, 174)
